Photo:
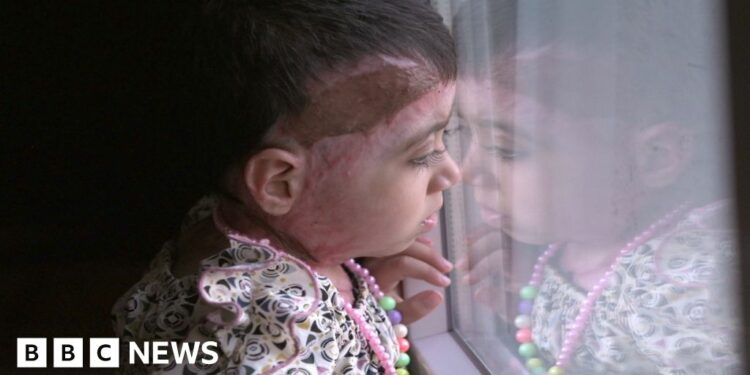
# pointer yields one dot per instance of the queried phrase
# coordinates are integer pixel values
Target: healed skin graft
(374, 189)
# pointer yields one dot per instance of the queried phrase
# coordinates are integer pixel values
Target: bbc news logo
(104, 352)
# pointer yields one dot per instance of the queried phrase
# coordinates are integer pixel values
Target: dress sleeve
(684, 316)
(266, 313)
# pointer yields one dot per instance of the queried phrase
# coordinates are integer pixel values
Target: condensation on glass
(597, 129)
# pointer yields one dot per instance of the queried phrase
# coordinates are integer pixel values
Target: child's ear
(275, 178)
(663, 153)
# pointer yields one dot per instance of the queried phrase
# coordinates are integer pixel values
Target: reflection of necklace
(527, 349)
(389, 305)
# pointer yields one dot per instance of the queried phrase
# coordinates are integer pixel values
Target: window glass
(593, 231)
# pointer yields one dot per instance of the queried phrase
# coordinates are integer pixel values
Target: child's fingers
(480, 248)
(429, 255)
(392, 270)
(419, 305)
(490, 266)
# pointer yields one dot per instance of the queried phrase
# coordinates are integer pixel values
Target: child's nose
(448, 175)
(472, 167)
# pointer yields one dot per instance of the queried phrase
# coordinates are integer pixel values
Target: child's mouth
(429, 223)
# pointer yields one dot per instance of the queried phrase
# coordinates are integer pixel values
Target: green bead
(533, 363)
(554, 370)
(387, 303)
(402, 371)
(539, 370)
(403, 360)
(527, 350)
(528, 292)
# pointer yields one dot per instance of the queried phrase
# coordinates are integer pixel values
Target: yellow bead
(534, 362)
(402, 371)
(554, 370)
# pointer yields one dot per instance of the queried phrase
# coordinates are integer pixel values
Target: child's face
(373, 193)
(541, 175)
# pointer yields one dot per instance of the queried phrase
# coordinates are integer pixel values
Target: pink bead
(523, 335)
(365, 271)
(403, 345)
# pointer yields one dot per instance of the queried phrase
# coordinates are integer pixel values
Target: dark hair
(254, 59)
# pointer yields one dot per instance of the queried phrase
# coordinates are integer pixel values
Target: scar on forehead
(358, 99)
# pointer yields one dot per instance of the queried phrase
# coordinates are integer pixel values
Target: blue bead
(524, 307)
(394, 316)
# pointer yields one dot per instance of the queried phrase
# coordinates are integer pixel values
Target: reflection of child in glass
(597, 140)
(328, 119)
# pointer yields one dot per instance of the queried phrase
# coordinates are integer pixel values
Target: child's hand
(492, 272)
(419, 261)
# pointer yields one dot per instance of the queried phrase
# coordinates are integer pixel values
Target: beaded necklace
(397, 367)
(528, 293)
(389, 305)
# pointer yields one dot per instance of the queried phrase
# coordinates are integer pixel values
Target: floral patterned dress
(672, 307)
(268, 312)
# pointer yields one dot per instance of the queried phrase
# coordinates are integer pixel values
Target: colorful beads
(401, 330)
(393, 366)
(403, 360)
(387, 303)
(403, 345)
(527, 350)
(523, 335)
(534, 362)
(522, 321)
(394, 316)
(525, 306)
(528, 292)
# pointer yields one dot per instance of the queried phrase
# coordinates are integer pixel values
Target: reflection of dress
(671, 309)
(268, 312)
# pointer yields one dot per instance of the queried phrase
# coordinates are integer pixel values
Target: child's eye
(504, 153)
(429, 160)
(452, 131)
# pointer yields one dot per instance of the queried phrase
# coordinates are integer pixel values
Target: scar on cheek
(338, 155)
(357, 103)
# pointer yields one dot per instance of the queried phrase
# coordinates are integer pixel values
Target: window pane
(596, 179)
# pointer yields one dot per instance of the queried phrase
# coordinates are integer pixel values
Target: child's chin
(528, 237)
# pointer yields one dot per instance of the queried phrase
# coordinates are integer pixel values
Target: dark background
(95, 155)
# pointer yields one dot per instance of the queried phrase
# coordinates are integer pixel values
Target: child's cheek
(330, 198)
